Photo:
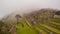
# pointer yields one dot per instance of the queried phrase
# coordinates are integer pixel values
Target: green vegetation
(40, 31)
(24, 28)
(56, 20)
(50, 28)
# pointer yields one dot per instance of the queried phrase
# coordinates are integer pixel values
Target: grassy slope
(35, 29)
(25, 30)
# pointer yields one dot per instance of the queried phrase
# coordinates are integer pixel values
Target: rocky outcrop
(40, 15)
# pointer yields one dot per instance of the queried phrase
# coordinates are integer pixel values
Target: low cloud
(25, 6)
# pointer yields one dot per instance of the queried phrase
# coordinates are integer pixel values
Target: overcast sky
(23, 6)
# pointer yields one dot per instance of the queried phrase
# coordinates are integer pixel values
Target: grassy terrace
(50, 28)
(40, 31)
(56, 20)
(24, 28)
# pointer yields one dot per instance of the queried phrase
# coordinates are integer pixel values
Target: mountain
(37, 22)
(11, 18)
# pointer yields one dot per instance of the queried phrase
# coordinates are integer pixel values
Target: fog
(25, 6)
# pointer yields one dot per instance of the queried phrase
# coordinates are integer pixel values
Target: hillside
(38, 22)
(50, 27)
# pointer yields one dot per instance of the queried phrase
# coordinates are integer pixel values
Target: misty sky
(23, 6)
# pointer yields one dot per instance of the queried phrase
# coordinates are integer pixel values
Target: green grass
(56, 20)
(24, 28)
(50, 28)
(54, 23)
(40, 30)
